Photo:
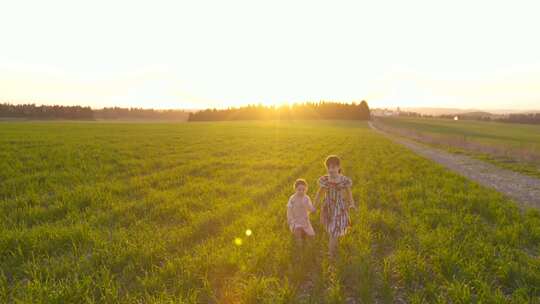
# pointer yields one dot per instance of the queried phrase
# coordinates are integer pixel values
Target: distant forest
(32, 111)
(531, 118)
(525, 118)
(308, 110)
(136, 113)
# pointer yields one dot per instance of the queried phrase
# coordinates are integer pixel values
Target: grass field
(512, 146)
(157, 213)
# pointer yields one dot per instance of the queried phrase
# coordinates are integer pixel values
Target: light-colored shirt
(298, 209)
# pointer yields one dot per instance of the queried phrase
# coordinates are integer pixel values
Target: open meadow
(508, 145)
(97, 212)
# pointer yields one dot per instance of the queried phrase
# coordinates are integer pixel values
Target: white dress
(298, 210)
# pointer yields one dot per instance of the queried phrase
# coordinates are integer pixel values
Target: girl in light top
(298, 208)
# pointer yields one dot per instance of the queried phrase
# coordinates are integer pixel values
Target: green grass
(148, 213)
(511, 146)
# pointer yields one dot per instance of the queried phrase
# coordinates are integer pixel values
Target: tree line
(45, 112)
(523, 118)
(529, 118)
(307, 110)
(138, 113)
(32, 111)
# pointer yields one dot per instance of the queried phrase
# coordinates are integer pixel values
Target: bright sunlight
(198, 54)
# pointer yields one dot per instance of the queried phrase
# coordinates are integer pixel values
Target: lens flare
(238, 241)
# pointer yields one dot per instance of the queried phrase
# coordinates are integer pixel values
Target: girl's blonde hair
(299, 182)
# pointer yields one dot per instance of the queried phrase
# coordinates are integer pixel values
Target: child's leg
(332, 246)
(298, 234)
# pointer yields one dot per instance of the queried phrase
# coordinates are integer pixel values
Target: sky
(199, 54)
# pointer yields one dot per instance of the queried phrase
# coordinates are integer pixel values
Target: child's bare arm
(289, 215)
(318, 195)
(351, 199)
(310, 205)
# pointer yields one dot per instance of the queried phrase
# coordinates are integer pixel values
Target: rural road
(522, 188)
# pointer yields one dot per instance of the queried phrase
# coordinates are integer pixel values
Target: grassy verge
(510, 146)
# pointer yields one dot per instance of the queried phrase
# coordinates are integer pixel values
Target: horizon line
(387, 107)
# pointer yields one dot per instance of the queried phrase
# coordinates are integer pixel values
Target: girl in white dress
(298, 208)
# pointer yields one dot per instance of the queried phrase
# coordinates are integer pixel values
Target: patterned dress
(334, 212)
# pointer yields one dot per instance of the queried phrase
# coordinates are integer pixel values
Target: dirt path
(522, 188)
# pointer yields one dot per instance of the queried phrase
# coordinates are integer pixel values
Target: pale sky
(197, 54)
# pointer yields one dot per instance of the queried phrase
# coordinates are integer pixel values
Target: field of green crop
(158, 213)
(512, 146)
